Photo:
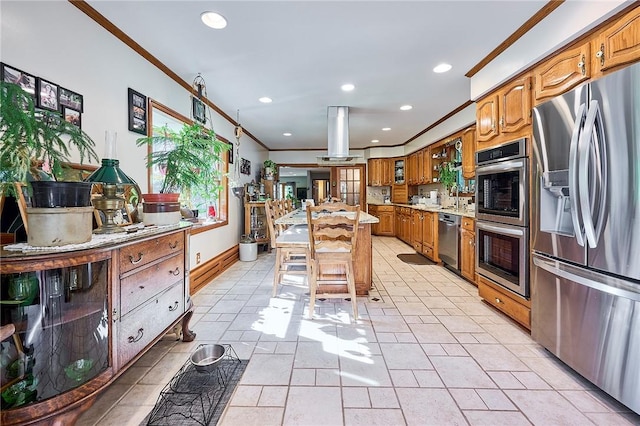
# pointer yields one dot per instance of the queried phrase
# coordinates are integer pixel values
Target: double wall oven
(502, 213)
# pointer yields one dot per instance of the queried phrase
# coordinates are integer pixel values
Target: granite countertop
(427, 208)
(299, 217)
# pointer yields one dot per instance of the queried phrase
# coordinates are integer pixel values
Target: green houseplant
(270, 169)
(188, 160)
(448, 176)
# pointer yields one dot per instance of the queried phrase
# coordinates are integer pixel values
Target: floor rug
(415, 259)
(196, 398)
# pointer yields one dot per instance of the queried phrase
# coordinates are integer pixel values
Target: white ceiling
(299, 53)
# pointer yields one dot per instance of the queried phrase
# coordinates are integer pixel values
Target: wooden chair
(333, 230)
(291, 245)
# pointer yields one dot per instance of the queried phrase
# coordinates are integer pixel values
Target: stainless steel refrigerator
(585, 228)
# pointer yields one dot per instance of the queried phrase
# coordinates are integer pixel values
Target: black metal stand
(192, 397)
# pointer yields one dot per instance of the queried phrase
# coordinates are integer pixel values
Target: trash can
(248, 248)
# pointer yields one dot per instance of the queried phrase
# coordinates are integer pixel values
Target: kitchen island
(363, 255)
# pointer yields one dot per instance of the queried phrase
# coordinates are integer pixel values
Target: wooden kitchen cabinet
(386, 216)
(403, 224)
(430, 236)
(562, 72)
(514, 307)
(84, 316)
(618, 44)
(505, 114)
(417, 218)
(374, 172)
(468, 249)
(387, 171)
(469, 153)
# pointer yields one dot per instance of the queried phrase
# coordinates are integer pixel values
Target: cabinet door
(427, 230)
(387, 172)
(468, 255)
(412, 171)
(398, 223)
(426, 165)
(406, 228)
(618, 44)
(562, 72)
(417, 218)
(372, 172)
(386, 224)
(515, 105)
(469, 153)
(420, 167)
(487, 118)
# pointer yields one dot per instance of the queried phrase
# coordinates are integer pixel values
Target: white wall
(56, 41)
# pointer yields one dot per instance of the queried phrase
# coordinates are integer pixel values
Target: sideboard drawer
(143, 325)
(148, 281)
(137, 255)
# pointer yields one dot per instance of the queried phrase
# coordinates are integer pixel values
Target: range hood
(337, 137)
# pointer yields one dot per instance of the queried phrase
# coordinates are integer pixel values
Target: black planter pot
(49, 194)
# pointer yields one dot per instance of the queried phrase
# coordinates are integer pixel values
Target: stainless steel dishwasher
(449, 239)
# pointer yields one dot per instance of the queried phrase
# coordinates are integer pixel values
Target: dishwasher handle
(448, 219)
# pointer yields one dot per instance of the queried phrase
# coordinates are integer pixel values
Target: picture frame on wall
(230, 151)
(199, 111)
(137, 112)
(72, 116)
(23, 79)
(48, 95)
(71, 100)
(245, 166)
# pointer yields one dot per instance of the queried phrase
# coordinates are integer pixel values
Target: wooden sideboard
(82, 317)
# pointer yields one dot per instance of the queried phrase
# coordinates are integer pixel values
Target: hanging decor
(236, 185)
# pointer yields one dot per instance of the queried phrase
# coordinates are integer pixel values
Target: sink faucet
(457, 196)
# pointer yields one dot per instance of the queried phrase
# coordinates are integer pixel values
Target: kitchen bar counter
(363, 254)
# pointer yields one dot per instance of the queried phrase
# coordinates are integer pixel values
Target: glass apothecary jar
(54, 320)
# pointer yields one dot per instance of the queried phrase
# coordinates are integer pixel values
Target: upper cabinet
(379, 172)
(617, 44)
(505, 114)
(469, 153)
(562, 72)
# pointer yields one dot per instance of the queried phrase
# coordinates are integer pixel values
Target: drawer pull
(132, 339)
(174, 307)
(172, 246)
(136, 261)
(498, 300)
(175, 272)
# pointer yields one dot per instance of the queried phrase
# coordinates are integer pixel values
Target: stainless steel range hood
(337, 137)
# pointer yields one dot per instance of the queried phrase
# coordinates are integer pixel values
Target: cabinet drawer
(417, 246)
(468, 224)
(142, 326)
(510, 307)
(385, 208)
(144, 284)
(427, 251)
(137, 255)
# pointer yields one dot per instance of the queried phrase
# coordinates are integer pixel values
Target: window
(199, 199)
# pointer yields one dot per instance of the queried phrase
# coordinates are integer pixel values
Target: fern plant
(29, 135)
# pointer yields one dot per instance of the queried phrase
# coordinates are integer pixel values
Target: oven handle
(505, 166)
(500, 229)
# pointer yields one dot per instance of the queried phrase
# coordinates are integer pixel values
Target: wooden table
(363, 255)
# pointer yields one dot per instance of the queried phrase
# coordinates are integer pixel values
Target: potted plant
(270, 169)
(30, 137)
(448, 176)
(188, 161)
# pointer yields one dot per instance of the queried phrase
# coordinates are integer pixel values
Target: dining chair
(291, 245)
(333, 231)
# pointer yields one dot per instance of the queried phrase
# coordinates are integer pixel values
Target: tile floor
(428, 352)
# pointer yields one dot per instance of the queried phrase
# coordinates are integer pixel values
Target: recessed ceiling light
(347, 87)
(374, 141)
(213, 20)
(442, 68)
(386, 129)
(265, 100)
(286, 134)
(406, 107)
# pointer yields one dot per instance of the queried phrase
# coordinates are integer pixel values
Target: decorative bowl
(206, 358)
(78, 369)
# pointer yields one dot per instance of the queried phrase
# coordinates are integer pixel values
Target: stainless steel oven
(502, 182)
(502, 255)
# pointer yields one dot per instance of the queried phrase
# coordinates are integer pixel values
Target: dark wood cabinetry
(82, 317)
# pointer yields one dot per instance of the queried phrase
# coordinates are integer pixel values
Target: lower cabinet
(430, 236)
(468, 249)
(73, 321)
(386, 216)
(513, 306)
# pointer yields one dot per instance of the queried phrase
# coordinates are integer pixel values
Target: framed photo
(48, 95)
(245, 166)
(231, 148)
(198, 111)
(72, 116)
(19, 77)
(137, 112)
(71, 100)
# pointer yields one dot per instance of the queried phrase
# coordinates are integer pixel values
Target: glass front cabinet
(54, 323)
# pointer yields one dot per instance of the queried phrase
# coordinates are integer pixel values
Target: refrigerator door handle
(604, 283)
(573, 175)
(592, 197)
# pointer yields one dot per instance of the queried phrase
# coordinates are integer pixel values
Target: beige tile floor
(428, 352)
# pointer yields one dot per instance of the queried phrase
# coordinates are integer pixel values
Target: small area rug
(415, 259)
(195, 398)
